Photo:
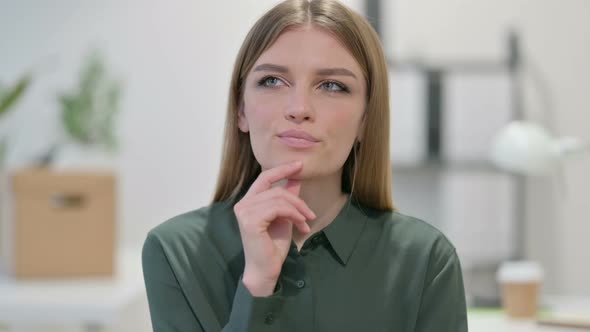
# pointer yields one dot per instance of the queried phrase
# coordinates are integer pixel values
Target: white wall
(556, 36)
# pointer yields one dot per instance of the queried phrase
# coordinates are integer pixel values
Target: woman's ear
(242, 121)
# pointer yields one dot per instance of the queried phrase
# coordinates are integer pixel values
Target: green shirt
(368, 271)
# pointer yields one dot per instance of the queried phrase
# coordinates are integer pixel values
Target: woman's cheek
(269, 111)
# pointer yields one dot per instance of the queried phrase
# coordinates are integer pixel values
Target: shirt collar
(345, 230)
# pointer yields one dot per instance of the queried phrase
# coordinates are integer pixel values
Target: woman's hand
(265, 218)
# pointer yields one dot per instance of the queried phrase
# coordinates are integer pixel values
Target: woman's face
(307, 82)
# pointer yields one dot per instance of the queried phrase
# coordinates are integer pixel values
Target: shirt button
(269, 318)
(316, 240)
(300, 283)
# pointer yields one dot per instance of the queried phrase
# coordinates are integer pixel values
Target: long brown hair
(367, 171)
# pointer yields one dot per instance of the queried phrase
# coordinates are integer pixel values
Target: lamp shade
(528, 148)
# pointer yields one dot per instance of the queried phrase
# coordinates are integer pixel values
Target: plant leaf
(88, 114)
(10, 98)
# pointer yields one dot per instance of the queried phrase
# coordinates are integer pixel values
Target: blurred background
(157, 73)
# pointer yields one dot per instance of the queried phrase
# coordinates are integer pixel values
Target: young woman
(302, 234)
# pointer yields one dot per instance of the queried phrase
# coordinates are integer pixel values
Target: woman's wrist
(257, 286)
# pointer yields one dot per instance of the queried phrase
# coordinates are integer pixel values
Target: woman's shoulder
(406, 232)
(206, 224)
(195, 247)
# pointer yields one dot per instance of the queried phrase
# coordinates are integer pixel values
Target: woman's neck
(325, 198)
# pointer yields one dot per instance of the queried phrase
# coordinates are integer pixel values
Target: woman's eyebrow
(335, 71)
(321, 72)
(271, 67)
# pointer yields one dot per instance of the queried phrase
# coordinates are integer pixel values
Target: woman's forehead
(309, 47)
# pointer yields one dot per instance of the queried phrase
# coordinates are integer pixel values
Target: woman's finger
(270, 176)
(286, 194)
(269, 211)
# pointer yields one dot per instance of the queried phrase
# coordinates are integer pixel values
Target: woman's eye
(334, 87)
(270, 81)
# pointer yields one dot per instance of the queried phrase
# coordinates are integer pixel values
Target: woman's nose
(300, 108)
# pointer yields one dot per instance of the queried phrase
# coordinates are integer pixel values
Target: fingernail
(297, 163)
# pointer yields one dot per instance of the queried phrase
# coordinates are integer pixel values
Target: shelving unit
(428, 176)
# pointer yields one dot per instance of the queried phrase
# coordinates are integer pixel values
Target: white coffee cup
(520, 282)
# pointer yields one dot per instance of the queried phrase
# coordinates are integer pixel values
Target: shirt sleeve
(443, 307)
(171, 309)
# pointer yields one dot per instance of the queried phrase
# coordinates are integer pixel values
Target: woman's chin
(307, 171)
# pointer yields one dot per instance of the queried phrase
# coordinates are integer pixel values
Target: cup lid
(519, 272)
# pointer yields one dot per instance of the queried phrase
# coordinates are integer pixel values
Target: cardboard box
(62, 224)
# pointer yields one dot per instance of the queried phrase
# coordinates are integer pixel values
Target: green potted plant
(79, 168)
(88, 117)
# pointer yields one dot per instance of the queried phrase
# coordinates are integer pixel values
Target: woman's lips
(298, 143)
(298, 139)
